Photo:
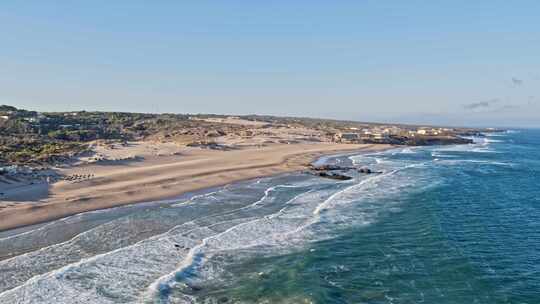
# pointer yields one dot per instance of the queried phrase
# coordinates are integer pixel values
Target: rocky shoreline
(337, 172)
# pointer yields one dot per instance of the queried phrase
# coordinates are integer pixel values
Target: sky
(470, 63)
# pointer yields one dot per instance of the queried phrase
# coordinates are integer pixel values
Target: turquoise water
(452, 224)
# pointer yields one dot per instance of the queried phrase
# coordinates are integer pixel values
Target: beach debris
(76, 178)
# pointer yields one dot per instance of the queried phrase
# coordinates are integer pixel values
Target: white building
(380, 135)
(428, 132)
(346, 137)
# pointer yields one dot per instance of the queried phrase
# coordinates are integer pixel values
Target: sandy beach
(153, 177)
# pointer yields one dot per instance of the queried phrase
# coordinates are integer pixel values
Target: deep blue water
(452, 224)
(471, 234)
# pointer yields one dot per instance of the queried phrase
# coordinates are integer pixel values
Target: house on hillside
(346, 137)
(380, 135)
(425, 131)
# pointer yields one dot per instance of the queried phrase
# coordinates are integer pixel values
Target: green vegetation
(17, 151)
(29, 137)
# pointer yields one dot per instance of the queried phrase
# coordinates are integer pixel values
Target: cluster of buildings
(386, 133)
(29, 116)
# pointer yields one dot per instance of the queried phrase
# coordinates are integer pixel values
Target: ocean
(440, 224)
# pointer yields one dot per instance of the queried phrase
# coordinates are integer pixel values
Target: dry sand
(156, 178)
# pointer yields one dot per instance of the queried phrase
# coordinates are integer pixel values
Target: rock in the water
(328, 168)
(333, 176)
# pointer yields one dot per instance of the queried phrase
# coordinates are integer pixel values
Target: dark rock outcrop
(332, 175)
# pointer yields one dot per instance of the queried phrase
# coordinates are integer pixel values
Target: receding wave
(153, 254)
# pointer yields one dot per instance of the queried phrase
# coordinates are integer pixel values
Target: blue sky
(446, 62)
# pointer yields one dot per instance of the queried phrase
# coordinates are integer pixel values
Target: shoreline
(153, 180)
